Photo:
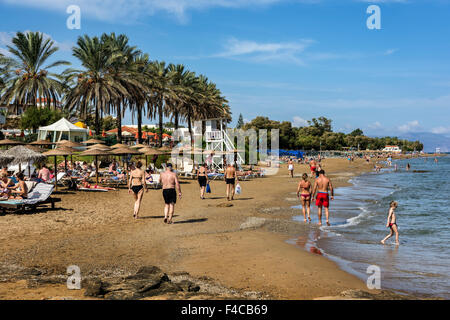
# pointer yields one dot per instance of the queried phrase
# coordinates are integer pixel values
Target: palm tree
(96, 84)
(124, 71)
(31, 80)
(160, 91)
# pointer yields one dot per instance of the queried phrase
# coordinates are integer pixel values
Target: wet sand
(242, 247)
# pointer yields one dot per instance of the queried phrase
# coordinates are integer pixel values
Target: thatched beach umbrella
(99, 146)
(150, 152)
(41, 143)
(70, 144)
(165, 149)
(23, 154)
(125, 152)
(8, 142)
(119, 145)
(93, 141)
(139, 146)
(96, 153)
(55, 153)
(70, 151)
(4, 159)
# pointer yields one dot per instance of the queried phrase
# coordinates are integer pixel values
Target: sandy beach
(240, 250)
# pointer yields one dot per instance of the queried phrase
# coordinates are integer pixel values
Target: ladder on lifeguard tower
(218, 140)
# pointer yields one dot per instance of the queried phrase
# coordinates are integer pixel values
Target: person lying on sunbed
(5, 184)
(85, 184)
(20, 190)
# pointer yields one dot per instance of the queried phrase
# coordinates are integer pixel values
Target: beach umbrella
(139, 146)
(5, 159)
(125, 152)
(8, 142)
(23, 154)
(166, 150)
(41, 143)
(70, 144)
(96, 153)
(35, 148)
(99, 146)
(119, 145)
(94, 141)
(150, 152)
(70, 152)
(55, 153)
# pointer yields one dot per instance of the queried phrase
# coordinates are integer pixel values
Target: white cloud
(299, 122)
(412, 126)
(390, 52)
(117, 10)
(262, 52)
(441, 130)
(375, 125)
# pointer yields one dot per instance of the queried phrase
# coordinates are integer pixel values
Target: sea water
(421, 263)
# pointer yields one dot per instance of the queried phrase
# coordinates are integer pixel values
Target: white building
(393, 149)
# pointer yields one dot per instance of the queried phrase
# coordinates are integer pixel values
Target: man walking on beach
(322, 186)
(170, 182)
(312, 166)
(230, 179)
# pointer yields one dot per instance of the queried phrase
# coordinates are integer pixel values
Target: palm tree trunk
(97, 119)
(190, 129)
(139, 121)
(176, 116)
(160, 111)
(119, 122)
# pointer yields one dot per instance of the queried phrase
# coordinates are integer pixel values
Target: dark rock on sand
(149, 281)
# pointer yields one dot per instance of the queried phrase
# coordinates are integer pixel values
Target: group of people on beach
(137, 185)
(321, 192)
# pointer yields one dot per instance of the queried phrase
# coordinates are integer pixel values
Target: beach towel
(238, 189)
(208, 188)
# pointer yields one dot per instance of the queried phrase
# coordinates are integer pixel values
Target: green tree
(357, 132)
(240, 122)
(34, 117)
(31, 78)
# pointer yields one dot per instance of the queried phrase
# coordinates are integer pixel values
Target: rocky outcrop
(149, 281)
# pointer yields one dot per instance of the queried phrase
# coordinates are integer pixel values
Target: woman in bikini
(392, 223)
(202, 177)
(136, 185)
(305, 188)
(20, 190)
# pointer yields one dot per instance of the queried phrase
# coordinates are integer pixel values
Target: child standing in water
(392, 223)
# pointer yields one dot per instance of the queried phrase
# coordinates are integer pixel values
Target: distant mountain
(430, 141)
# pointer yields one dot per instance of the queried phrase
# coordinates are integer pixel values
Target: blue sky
(286, 59)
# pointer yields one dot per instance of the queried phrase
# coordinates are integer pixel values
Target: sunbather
(20, 190)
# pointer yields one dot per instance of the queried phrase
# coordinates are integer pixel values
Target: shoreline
(242, 248)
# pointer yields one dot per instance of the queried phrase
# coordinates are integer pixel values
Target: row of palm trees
(115, 77)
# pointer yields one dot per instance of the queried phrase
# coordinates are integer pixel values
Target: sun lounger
(40, 195)
(155, 183)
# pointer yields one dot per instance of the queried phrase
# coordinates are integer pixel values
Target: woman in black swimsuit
(136, 185)
(202, 177)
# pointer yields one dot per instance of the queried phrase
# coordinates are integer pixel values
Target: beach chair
(40, 195)
(60, 179)
(155, 184)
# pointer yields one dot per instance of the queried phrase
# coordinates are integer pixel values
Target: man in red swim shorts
(323, 185)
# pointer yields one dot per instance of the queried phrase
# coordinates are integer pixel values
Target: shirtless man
(304, 192)
(291, 168)
(230, 179)
(312, 166)
(322, 185)
(169, 182)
